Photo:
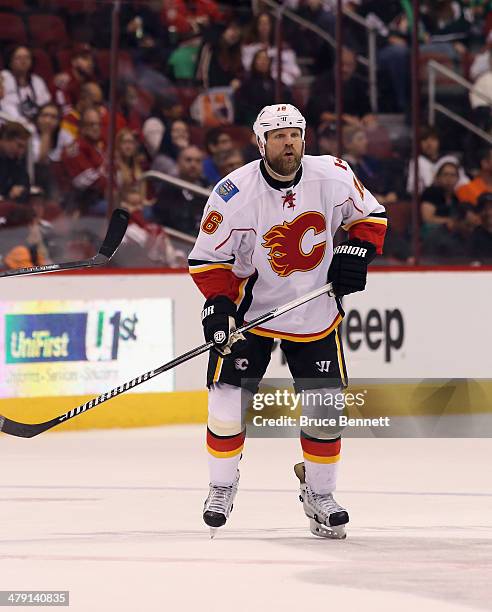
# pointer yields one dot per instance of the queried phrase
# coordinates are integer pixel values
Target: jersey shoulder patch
(226, 190)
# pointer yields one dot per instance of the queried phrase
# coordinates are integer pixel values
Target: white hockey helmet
(274, 117)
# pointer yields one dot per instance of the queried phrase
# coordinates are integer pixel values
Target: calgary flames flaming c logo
(286, 254)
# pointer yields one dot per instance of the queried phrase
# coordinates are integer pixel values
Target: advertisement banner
(422, 325)
(73, 347)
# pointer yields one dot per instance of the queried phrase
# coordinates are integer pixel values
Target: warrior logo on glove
(220, 337)
(348, 268)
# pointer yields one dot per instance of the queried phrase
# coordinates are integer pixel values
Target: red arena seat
(47, 30)
(12, 29)
(42, 64)
(13, 5)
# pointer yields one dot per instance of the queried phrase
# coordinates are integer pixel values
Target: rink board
(179, 407)
(417, 324)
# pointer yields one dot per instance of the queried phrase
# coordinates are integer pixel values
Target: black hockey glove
(219, 324)
(348, 268)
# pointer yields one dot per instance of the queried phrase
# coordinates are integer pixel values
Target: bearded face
(284, 150)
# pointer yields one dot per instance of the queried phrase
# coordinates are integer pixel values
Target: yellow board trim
(198, 269)
(316, 459)
(129, 410)
(225, 454)
(180, 407)
(293, 337)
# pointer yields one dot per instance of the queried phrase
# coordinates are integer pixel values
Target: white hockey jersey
(263, 244)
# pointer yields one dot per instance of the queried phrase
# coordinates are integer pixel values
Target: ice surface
(115, 517)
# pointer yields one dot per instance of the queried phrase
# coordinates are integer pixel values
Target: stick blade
(22, 430)
(116, 231)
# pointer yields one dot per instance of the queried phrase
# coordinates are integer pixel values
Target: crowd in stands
(192, 77)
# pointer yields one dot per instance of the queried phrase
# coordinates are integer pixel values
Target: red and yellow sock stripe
(320, 451)
(223, 447)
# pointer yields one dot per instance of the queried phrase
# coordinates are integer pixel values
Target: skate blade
(322, 531)
(213, 531)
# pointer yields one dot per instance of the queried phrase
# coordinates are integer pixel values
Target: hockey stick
(116, 230)
(28, 430)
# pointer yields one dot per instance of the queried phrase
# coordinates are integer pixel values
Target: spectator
(482, 87)
(142, 32)
(368, 170)
(392, 21)
(130, 106)
(167, 108)
(129, 163)
(449, 241)
(356, 106)
(219, 63)
(144, 243)
(91, 96)
(48, 213)
(256, 91)
(3, 113)
(446, 29)
(14, 179)
(178, 208)
(471, 191)
(250, 151)
(310, 45)
(261, 36)
(439, 200)
(176, 138)
(327, 139)
(482, 61)
(217, 141)
(85, 165)
(429, 160)
(229, 161)
(24, 246)
(25, 92)
(46, 147)
(190, 17)
(67, 85)
(481, 236)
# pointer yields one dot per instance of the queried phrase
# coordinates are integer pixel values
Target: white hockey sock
(225, 435)
(321, 477)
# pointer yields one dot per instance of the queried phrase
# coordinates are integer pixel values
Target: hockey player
(267, 238)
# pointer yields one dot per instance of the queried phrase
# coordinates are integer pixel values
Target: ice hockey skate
(327, 519)
(219, 504)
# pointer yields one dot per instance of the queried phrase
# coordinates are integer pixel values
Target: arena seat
(63, 59)
(47, 30)
(42, 64)
(12, 5)
(73, 7)
(12, 29)
(125, 64)
(379, 142)
(186, 96)
(399, 216)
